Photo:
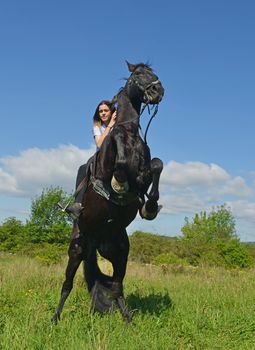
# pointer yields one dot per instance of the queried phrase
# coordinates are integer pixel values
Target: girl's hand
(113, 119)
(114, 115)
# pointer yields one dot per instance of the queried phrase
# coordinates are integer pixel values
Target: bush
(45, 253)
(211, 258)
(168, 259)
(235, 254)
(144, 247)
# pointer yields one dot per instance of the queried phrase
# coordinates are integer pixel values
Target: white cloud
(8, 183)
(34, 169)
(193, 174)
(236, 187)
(192, 187)
(206, 180)
(243, 209)
(182, 203)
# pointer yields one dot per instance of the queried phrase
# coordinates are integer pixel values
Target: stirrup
(74, 210)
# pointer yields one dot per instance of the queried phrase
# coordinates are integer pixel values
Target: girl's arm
(100, 138)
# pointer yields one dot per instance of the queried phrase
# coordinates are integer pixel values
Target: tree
(47, 222)
(211, 238)
(12, 232)
(219, 224)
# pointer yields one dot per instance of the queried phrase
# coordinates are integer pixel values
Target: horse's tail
(89, 269)
(92, 272)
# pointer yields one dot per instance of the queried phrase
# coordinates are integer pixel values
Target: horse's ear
(131, 67)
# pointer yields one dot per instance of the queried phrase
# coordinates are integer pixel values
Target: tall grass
(175, 308)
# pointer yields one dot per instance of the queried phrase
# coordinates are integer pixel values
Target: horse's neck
(128, 110)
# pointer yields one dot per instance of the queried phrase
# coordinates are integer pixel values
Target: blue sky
(60, 58)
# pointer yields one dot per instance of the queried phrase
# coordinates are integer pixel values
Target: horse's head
(144, 84)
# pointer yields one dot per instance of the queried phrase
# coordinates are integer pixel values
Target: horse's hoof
(119, 187)
(160, 207)
(127, 316)
(56, 318)
(145, 214)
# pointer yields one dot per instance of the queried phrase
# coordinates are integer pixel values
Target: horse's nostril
(154, 89)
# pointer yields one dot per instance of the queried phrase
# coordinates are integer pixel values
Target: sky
(60, 58)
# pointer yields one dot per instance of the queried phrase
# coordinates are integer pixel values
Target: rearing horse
(121, 175)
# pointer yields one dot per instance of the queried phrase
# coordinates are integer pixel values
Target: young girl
(103, 121)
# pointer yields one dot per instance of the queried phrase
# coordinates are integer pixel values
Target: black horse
(120, 177)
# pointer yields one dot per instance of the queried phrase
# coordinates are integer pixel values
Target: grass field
(176, 308)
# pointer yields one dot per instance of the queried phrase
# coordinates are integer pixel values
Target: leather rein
(155, 107)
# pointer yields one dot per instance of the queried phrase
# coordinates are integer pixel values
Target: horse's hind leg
(119, 263)
(75, 258)
(150, 209)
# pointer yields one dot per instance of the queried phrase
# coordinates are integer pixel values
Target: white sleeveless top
(98, 131)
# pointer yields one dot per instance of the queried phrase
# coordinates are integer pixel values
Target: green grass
(176, 308)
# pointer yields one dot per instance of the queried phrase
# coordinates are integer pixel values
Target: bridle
(143, 89)
(146, 104)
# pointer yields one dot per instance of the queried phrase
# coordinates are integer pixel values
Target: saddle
(103, 189)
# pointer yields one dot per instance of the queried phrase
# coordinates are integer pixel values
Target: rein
(148, 125)
(138, 117)
(146, 95)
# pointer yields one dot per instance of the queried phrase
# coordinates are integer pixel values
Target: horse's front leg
(150, 209)
(119, 181)
(75, 258)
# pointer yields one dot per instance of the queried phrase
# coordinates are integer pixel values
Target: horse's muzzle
(154, 94)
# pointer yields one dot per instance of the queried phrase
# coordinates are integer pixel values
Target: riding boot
(75, 209)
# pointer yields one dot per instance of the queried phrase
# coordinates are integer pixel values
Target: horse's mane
(144, 65)
(115, 97)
